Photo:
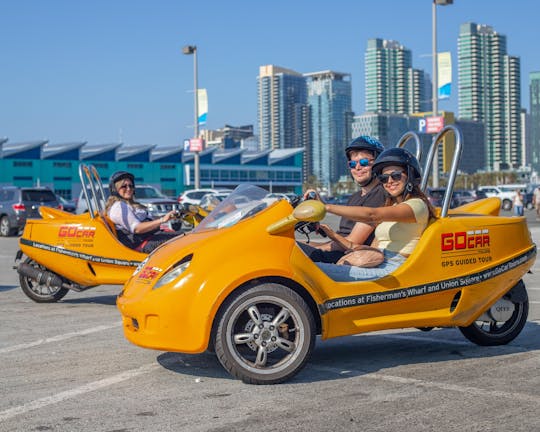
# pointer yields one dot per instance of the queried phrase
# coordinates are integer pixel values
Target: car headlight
(173, 273)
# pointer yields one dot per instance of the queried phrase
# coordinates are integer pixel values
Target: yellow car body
(463, 265)
(81, 250)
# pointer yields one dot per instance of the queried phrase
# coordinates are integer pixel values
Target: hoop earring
(409, 187)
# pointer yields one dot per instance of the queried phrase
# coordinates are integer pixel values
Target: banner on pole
(202, 103)
(444, 67)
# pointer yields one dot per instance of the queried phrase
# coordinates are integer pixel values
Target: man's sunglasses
(362, 162)
(396, 176)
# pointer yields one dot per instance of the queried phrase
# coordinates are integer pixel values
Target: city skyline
(115, 72)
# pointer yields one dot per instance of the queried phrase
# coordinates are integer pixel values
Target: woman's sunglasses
(396, 176)
(362, 162)
(127, 186)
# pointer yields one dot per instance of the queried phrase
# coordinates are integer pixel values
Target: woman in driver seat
(400, 223)
(134, 227)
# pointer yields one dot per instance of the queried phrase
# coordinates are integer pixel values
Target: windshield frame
(245, 201)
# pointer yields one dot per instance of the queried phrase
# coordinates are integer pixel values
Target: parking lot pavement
(67, 367)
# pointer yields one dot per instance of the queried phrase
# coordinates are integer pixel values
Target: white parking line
(474, 391)
(58, 338)
(68, 394)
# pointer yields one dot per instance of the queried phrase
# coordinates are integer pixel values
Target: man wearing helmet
(361, 154)
(400, 223)
(135, 229)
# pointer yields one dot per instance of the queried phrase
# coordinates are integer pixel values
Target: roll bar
(406, 137)
(92, 189)
(453, 169)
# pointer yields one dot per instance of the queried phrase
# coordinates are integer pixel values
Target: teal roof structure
(23, 150)
(101, 152)
(64, 151)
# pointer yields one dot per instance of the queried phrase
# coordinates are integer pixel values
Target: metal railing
(453, 169)
(92, 190)
(411, 135)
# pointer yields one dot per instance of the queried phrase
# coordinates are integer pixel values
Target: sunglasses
(362, 162)
(127, 186)
(396, 176)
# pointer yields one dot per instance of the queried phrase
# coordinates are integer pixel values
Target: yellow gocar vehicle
(240, 286)
(65, 251)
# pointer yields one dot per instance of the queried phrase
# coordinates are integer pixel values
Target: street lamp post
(435, 88)
(188, 50)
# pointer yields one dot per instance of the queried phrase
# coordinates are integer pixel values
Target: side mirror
(310, 211)
(307, 211)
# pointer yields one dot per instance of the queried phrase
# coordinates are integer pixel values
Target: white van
(504, 192)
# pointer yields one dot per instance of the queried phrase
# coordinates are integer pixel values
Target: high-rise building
(489, 91)
(329, 100)
(283, 114)
(392, 85)
(534, 123)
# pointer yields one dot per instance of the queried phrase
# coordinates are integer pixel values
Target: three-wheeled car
(239, 285)
(65, 251)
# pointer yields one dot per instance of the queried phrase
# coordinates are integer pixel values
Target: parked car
(480, 194)
(66, 205)
(436, 196)
(20, 203)
(156, 203)
(463, 196)
(504, 192)
(193, 196)
(278, 195)
(210, 200)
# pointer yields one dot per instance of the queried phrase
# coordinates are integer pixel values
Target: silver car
(20, 203)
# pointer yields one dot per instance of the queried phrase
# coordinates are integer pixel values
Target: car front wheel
(265, 334)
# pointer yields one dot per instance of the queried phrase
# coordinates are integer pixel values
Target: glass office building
(489, 92)
(282, 110)
(534, 123)
(392, 85)
(329, 99)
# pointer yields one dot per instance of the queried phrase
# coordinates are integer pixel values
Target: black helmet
(402, 157)
(117, 176)
(365, 142)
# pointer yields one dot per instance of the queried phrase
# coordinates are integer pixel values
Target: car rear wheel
(40, 293)
(507, 204)
(265, 334)
(6, 229)
(500, 324)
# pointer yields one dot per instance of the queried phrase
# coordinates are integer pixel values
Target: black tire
(40, 293)
(490, 332)
(265, 334)
(507, 205)
(5, 227)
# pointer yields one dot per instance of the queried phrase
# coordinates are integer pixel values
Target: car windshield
(145, 192)
(38, 195)
(245, 201)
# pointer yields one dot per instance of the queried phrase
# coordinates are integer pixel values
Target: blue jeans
(518, 210)
(346, 273)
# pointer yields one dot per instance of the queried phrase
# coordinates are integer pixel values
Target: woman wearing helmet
(400, 223)
(135, 229)
(361, 154)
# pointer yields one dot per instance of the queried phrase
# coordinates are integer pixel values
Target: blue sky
(102, 71)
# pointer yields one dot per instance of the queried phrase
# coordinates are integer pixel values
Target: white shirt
(126, 217)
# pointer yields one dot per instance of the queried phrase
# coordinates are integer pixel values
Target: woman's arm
(147, 226)
(398, 213)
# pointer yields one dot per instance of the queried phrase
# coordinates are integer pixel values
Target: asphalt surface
(67, 367)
